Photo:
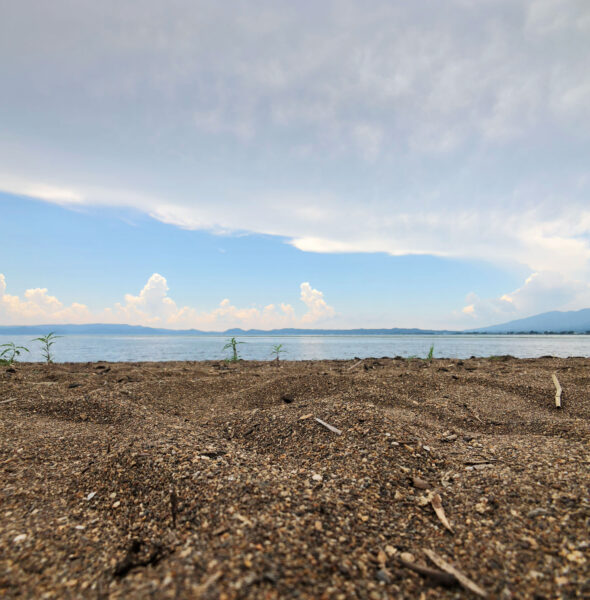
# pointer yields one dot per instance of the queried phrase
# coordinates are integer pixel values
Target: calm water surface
(83, 348)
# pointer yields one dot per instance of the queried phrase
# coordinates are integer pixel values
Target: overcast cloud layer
(458, 129)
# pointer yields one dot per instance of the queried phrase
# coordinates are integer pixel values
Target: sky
(278, 164)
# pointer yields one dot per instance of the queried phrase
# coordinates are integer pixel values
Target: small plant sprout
(46, 342)
(430, 353)
(10, 353)
(232, 344)
(277, 350)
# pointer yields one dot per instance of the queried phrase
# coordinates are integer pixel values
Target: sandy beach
(215, 480)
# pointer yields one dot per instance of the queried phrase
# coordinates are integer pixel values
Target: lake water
(83, 348)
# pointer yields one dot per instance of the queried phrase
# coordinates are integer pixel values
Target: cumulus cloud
(153, 307)
(38, 307)
(317, 307)
(541, 292)
(401, 127)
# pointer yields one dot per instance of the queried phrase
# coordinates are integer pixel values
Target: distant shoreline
(136, 330)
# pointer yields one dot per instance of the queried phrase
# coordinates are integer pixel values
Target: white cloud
(401, 127)
(153, 307)
(541, 292)
(317, 307)
(41, 191)
(38, 307)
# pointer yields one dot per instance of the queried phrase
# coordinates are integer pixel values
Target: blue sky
(352, 164)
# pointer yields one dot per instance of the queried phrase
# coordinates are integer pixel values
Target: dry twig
(330, 427)
(356, 364)
(462, 579)
(437, 576)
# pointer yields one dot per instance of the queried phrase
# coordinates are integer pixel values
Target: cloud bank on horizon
(153, 307)
(395, 127)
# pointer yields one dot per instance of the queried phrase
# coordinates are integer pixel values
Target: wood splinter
(557, 391)
(330, 427)
(356, 364)
(440, 511)
(439, 577)
(461, 578)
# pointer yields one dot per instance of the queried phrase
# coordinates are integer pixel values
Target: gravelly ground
(188, 480)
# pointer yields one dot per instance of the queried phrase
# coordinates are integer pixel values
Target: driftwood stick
(462, 579)
(557, 391)
(7, 401)
(356, 364)
(437, 576)
(330, 427)
(201, 589)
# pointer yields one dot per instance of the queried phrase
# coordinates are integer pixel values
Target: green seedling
(10, 353)
(277, 350)
(46, 342)
(232, 344)
(430, 353)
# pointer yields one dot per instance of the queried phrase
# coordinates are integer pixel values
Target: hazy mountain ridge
(115, 329)
(576, 321)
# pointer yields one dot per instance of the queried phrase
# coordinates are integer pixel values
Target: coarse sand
(214, 480)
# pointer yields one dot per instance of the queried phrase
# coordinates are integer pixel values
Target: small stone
(419, 483)
(537, 512)
(407, 556)
(317, 477)
(577, 557)
(270, 577)
(20, 538)
(383, 575)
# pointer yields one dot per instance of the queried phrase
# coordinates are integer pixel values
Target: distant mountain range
(573, 321)
(109, 329)
(549, 322)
